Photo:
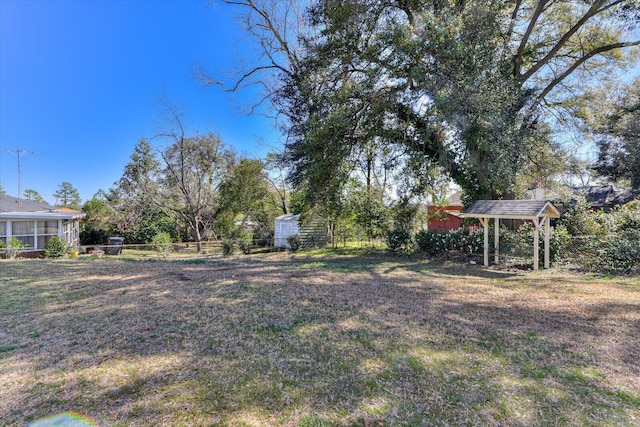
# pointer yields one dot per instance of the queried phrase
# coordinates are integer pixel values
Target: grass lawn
(315, 339)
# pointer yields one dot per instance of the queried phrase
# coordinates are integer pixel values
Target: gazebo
(539, 212)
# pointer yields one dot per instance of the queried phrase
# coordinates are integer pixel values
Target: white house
(34, 224)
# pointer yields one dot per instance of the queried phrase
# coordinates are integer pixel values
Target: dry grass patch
(316, 340)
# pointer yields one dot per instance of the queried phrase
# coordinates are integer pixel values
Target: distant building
(605, 197)
(598, 197)
(446, 217)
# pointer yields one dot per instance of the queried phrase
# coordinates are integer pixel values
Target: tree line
(194, 188)
(383, 103)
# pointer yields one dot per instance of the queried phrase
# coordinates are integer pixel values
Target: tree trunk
(196, 234)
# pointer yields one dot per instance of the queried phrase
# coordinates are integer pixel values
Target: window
(24, 231)
(48, 227)
(21, 228)
(3, 231)
(46, 230)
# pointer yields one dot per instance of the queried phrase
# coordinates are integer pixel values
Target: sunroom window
(24, 231)
(46, 230)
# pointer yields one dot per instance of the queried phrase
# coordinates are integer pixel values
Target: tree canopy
(33, 195)
(465, 88)
(67, 196)
(619, 143)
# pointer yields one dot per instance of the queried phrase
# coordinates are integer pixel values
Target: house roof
(511, 209)
(455, 199)
(34, 210)
(10, 204)
(596, 195)
(623, 197)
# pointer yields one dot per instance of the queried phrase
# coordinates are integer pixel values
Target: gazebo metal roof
(511, 209)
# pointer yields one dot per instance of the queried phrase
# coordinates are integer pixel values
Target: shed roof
(288, 217)
(511, 209)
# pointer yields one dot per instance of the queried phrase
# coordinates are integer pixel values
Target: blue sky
(80, 79)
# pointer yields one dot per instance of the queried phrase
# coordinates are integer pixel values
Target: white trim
(41, 215)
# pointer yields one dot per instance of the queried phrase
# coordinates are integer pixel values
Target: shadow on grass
(308, 341)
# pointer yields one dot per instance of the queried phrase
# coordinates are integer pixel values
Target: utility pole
(18, 153)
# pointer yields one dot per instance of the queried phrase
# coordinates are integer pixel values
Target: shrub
(12, 248)
(581, 221)
(56, 248)
(227, 247)
(162, 243)
(465, 241)
(246, 243)
(294, 242)
(94, 236)
(399, 241)
(431, 242)
(627, 217)
(620, 253)
(461, 240)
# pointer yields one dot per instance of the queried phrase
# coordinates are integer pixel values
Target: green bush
(12, 248)
(162, 242)
(461, 240)
(246, 243)
(56, 248)
(94, 236)
(520, 243)
(580, 220)
(399, 241)
(431, 242)
(620, 254)
(227, 247)
(465, 241)
(294, 242)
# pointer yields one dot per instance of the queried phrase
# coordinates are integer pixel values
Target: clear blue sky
(79, 82)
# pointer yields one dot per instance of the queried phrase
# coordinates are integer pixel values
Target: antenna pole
(18, 152)
(19, 183)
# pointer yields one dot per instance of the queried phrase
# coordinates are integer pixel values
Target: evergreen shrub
(399, 241)
(56, 248)
(162, 242)
(294, 242)
(227, 247)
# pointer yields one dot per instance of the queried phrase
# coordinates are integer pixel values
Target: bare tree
(193, 169)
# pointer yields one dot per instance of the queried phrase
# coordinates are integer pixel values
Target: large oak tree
(459, 86)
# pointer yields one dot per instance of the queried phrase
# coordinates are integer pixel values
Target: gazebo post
(547, 238)
(496, 240)
(536, 243)
(485, 225)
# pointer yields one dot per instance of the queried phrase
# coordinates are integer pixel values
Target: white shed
(286, 225)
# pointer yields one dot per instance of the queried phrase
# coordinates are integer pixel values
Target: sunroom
(35, 224)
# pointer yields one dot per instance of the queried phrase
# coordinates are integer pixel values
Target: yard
(316, 339)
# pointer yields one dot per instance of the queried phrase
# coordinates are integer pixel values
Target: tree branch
(581, 61)
(517, 61)
(593, 10)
